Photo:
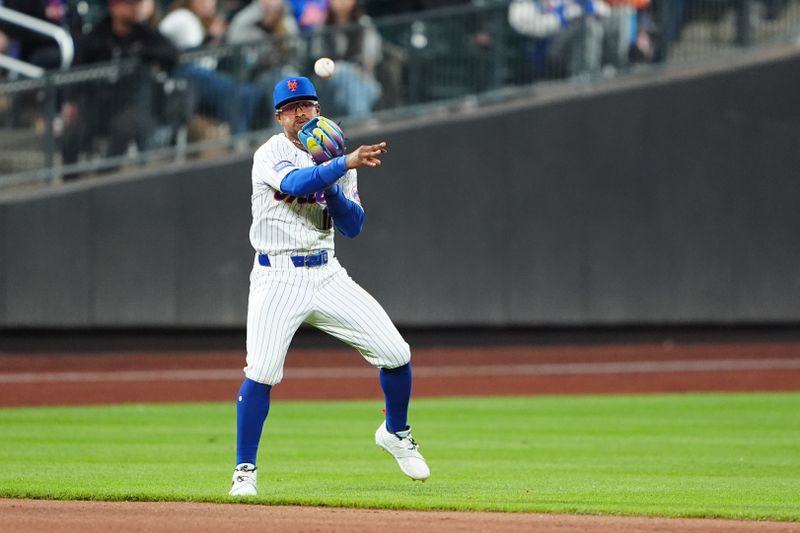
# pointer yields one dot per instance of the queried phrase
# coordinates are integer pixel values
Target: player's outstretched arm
(302, 181)
(366, 155)
(307, 180)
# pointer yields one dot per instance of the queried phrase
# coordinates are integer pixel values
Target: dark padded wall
(134, 251)
(213, 246)
(670, 203)
(48, 263)
(3, 264)
(431, 237)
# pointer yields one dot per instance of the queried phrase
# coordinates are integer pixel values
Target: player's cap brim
(295, 99)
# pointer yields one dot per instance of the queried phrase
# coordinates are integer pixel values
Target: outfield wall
(674, 202)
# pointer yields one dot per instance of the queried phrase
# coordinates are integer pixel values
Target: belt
(313, 259)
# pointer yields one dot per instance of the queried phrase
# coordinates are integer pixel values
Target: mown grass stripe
(690, 455)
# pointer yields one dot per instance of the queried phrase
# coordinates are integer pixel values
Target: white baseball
(324, 67)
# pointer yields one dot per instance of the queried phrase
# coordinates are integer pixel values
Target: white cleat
(244, 482)
(405, 450)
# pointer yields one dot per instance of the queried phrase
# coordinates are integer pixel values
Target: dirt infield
(129, 376)
(78, 517)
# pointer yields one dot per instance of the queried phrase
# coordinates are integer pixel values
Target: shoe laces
(244, 474)
(408, 442)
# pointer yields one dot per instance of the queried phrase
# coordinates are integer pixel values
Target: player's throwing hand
(366, 155)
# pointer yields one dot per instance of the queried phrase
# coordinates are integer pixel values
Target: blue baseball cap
(293, 88)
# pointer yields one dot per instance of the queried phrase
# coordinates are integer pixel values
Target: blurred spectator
(5, 48)
(349, 38)
(670, 16)
(622, 34)
(127, 32)
(34, 47)
(309, 14)
(192, 24)
(229, 8)
(4, 43)
(124, 111)
(260, 20)
(6, 101)
(89, 13)
(270, 25)
(155, 16)
(571, 36)
(85, 14)
(643, 47)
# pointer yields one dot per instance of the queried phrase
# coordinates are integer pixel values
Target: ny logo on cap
(292, 85)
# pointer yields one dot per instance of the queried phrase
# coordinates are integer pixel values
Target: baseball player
(297, 205)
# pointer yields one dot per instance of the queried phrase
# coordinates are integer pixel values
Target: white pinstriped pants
(283, 296)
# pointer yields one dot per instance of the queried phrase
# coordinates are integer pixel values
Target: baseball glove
(323, 139)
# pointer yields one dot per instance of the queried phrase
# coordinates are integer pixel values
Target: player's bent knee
(406, 355)
(400, 356)
(264, 380)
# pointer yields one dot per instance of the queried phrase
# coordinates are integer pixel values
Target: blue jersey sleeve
(347, 215)
(305, 181)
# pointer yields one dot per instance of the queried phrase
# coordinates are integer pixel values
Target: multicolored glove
(323, 139)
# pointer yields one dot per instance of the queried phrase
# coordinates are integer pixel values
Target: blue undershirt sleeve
(347, 215)
(305, 181)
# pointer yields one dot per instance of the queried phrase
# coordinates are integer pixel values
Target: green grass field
(693, 455)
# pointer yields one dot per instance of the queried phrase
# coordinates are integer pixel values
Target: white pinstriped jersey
(283, 296)
(284, 224)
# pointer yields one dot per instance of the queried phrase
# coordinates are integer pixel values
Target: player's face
(294, 115)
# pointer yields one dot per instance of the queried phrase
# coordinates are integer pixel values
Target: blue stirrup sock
(396, 385)
(252, 408)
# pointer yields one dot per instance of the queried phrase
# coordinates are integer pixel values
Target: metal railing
(57, 33)
(93, 119)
